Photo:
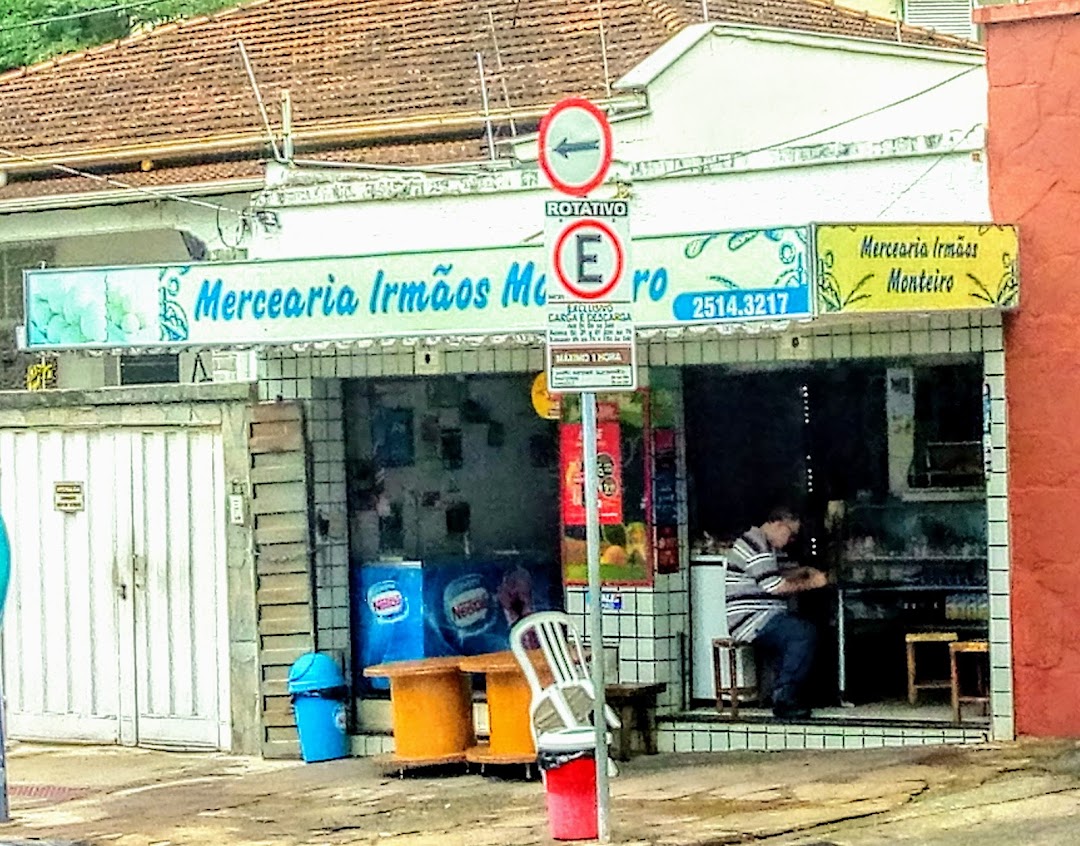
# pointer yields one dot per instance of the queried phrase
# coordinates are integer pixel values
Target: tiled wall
(650, 629)
(688, 736)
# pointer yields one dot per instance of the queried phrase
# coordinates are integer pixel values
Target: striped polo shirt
(753, 573)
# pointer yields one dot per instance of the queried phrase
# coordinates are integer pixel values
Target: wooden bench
(635, 703)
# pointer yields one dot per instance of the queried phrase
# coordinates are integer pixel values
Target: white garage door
(115, 626)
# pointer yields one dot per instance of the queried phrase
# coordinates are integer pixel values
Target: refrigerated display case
(447, 605)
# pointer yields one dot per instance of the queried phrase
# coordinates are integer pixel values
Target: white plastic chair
(548, 640)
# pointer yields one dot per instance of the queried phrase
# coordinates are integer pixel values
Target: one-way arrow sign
(575, 146)
(566, 147)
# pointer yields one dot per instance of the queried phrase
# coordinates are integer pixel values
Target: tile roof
(401, 72)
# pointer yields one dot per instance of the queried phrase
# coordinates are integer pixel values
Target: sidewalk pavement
(1023, 793)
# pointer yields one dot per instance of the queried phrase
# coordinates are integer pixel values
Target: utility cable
(788, 141)
(86, 13)
(938, 160)
(116, 183)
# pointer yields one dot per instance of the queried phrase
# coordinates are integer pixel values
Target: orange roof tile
(401, 73)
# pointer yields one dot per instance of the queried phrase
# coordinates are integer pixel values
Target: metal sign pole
(5, 808)
(595, 627)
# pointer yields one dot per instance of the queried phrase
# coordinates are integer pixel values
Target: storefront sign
(675, 279)
(609, 473)
(546, 404)
(915, 267)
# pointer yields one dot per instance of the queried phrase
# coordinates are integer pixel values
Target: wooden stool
(636, 705)
(976, 647)
(911, 639)
(732, 689)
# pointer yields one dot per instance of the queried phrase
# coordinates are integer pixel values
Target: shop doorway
(883, 463)
(454, 515)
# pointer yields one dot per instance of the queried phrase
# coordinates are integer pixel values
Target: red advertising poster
(609, 473)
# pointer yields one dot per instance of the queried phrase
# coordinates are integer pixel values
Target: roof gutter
(324, 133)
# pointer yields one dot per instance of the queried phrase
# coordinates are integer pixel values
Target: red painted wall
(1033, 62)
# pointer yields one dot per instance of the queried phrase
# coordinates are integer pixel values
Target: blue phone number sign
(742, 304)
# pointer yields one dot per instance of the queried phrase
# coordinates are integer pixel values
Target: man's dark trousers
(789, 642)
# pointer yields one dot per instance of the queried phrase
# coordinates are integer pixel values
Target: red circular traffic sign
(573, 288)
(575, 146)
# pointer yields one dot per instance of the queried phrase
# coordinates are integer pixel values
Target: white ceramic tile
(881, 345)
(710, 351)
(841, 346)
(692, 352)
(939, 341)
(993, 362)
(701, 741)
(1002, 729)
(920, 343)
(684, 741)
(657, 353)
(939, 321)
(1000, 631)
(765, 349)
(814, 740)
(822, 346)
(992, 339)
(998, 534)
(721, 741)
(834, 741)
(738, 740)
(999, 581)
(675, 353)
(860, 345)
(756, 740)
(745, 349)
(960, 340)
(665, 740)
(854, 741)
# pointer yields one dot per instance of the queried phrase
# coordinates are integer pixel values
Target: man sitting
(757, 612)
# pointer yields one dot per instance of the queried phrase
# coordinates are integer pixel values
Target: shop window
(948, 427)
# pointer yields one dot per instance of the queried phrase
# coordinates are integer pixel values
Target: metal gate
(115, 629)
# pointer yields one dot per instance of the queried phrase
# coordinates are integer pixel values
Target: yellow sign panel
(546, 404)
(915, 267)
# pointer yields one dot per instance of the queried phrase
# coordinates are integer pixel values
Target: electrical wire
(795, 139)
(117, 183)
(86, 13)
(938, 160)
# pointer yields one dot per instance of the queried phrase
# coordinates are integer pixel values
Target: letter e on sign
(575, 146)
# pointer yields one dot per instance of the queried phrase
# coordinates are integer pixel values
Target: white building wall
(897, 181)
(737, 89)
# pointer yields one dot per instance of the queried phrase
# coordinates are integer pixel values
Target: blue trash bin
(318, 691)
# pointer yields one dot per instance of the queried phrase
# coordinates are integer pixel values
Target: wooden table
(431, 702)
(510, 738)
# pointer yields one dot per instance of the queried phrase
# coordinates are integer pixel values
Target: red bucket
(571, 799)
